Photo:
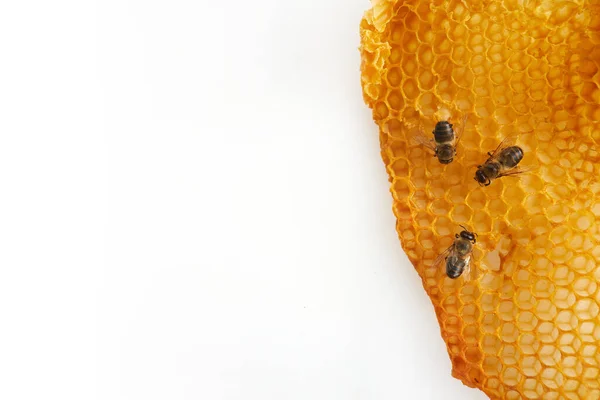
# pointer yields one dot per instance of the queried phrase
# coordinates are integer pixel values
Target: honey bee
(458, 255)
(501, 162)
(444, 140)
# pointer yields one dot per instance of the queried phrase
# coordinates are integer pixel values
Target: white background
(194, 207)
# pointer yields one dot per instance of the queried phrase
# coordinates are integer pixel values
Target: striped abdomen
(443, 132)
(510, 157)
(455, 266)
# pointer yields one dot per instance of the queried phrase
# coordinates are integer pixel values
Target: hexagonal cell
(462, 76)
(402, 188)
(460, 54)
(563, 298)
(539, 225)
(481, 223)
(569, 343)
(476, 200)
(490, 344)
(440, 207)
(586, 309)
(452, 325)
(507, 310)
(442, 226)
(470, 313)
(571, 367)
(498, 53)
(395, 100)
(473, 354)
(552, 378)
(530, 366)
(561, 255)
(501, 95)
(591, 373)
(589, 353)
(410, 89)
(519, 61)
(550, 355)
(543, 288)
(526, 321)
(560, 234)
(426, 81)
(525, 299)
(582, 264)
(410, 43)
(425, 56)
(446, 89)
(561, 274)
(394, 76)
(481, 85)
(461, 213)
(513, 395)
(492, 366)
(566, 320)
(522, 278)
(529, 343)
(517, 216)
(532, 389)
(547, 332)
(511, 376)
(426, 239)
(509, 332)
(497, 207)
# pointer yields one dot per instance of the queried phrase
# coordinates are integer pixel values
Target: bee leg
(456, 235)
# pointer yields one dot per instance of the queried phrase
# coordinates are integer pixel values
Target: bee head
(445, 154)
(467, 235)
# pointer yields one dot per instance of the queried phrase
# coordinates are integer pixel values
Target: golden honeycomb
(526, 324)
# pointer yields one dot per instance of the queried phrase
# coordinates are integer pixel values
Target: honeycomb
(525, 325)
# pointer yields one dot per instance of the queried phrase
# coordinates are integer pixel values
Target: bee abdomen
(454, 267)
(443, 132)
(511, 156)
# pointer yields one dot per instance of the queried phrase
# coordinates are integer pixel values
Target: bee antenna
(464, 228)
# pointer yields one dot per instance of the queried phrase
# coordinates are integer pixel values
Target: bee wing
(420, 138)
(462, 130)
(515, 172)
(507, 142)
(467, 271)
(442, 256)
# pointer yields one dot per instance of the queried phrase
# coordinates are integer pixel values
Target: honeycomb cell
(566, 320)
(526, 325)
(511, 376)
(563, 298)
(585, 286)
(552, 378)
(571, 366)
(586, 309)
(528, 343)
(394, 77)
